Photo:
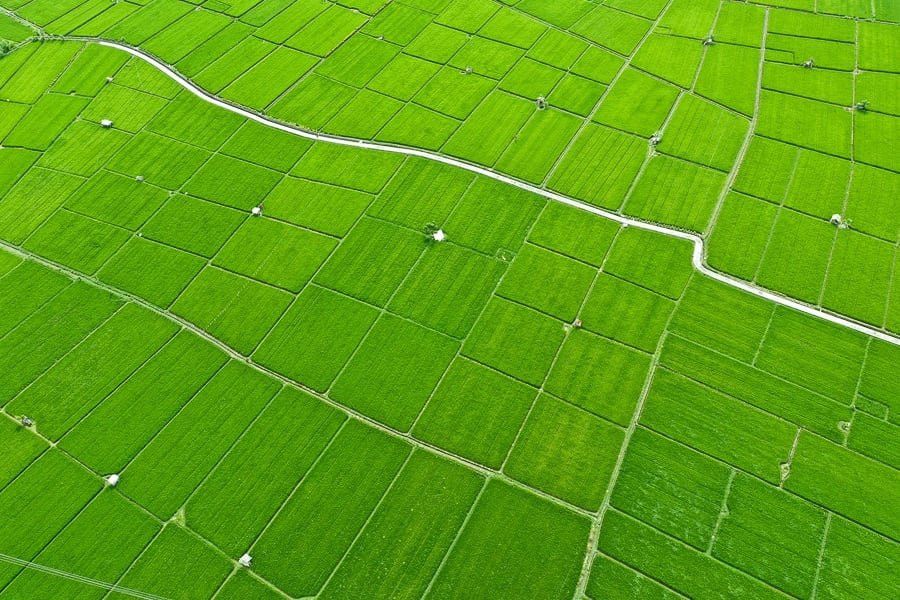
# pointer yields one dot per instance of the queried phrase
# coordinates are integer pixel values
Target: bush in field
(6, 47)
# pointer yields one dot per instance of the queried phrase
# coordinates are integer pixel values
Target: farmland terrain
(547, 404)
(754, 152)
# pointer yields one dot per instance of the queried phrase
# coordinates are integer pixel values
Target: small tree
(6, 47)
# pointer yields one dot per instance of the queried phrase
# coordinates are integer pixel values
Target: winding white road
(696, 240)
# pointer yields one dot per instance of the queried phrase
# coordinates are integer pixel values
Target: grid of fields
(544, 405)
(744, 130)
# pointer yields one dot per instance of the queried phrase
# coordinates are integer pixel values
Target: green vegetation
(542, 404)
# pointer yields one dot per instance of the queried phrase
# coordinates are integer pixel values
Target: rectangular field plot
(32, 200)
(174, 42)
(600, 166)
(117, 200)
(671, 487)
(690, 572)
(548, 282)
(874, 133)
(859, 277)
(318, 206)
(128, 109)
(611, 579)
(486, 57)
(576, 94)
(767, 169)
(819, 184)
(740, 23)
(20, 447)
(193, 225)
(76, 241)
(807, 123)
(232, 182)
(401, 548)
(275, 253)
(127, 419)
(265, 81)
(372, 261)
(637, 103)
(316, 337)
(194, 121)
(475, 412)
(670, 57)
(406, 75)
(776, 396)
(62, 395)
(236, 310)
(99, 543)
(878, 381)
(353, 168)
(474, 221)
(233, 506)
(490, 128)
(562, 14)
(740, 235)
(857, 562)
(448, 91)
(422, 192)
(581, 376)
(797, 255)
(536, 148)
(615, 30)
(24, 288)
(690, 18)
(448, 289)
(365, 115)
(394, 371)
(214, 47)
(867, 203)
(796, 50)
(49, 333)
(159, 160)
(306, 540)
(676, 192)
(178, 564)
(656, 262)
(231, 64)
(516, 340)
(772, 535)
(718, 425)
(166, 472)
(847, 483)
(875, 437)
(565, 452)
(41, 502)
(835, 87)
(729, 76)
(265, 146)
(418, 127)
(627, 313)
(83, 148)
(722, 318)
(574, 232)
(514, 544)
(155, 272)
(598, 65)
(813, 353)
(704, 133)
(48, 118)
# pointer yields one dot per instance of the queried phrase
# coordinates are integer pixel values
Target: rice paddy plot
(467, 349)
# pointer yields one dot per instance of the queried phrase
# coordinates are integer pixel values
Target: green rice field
(238, 363)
